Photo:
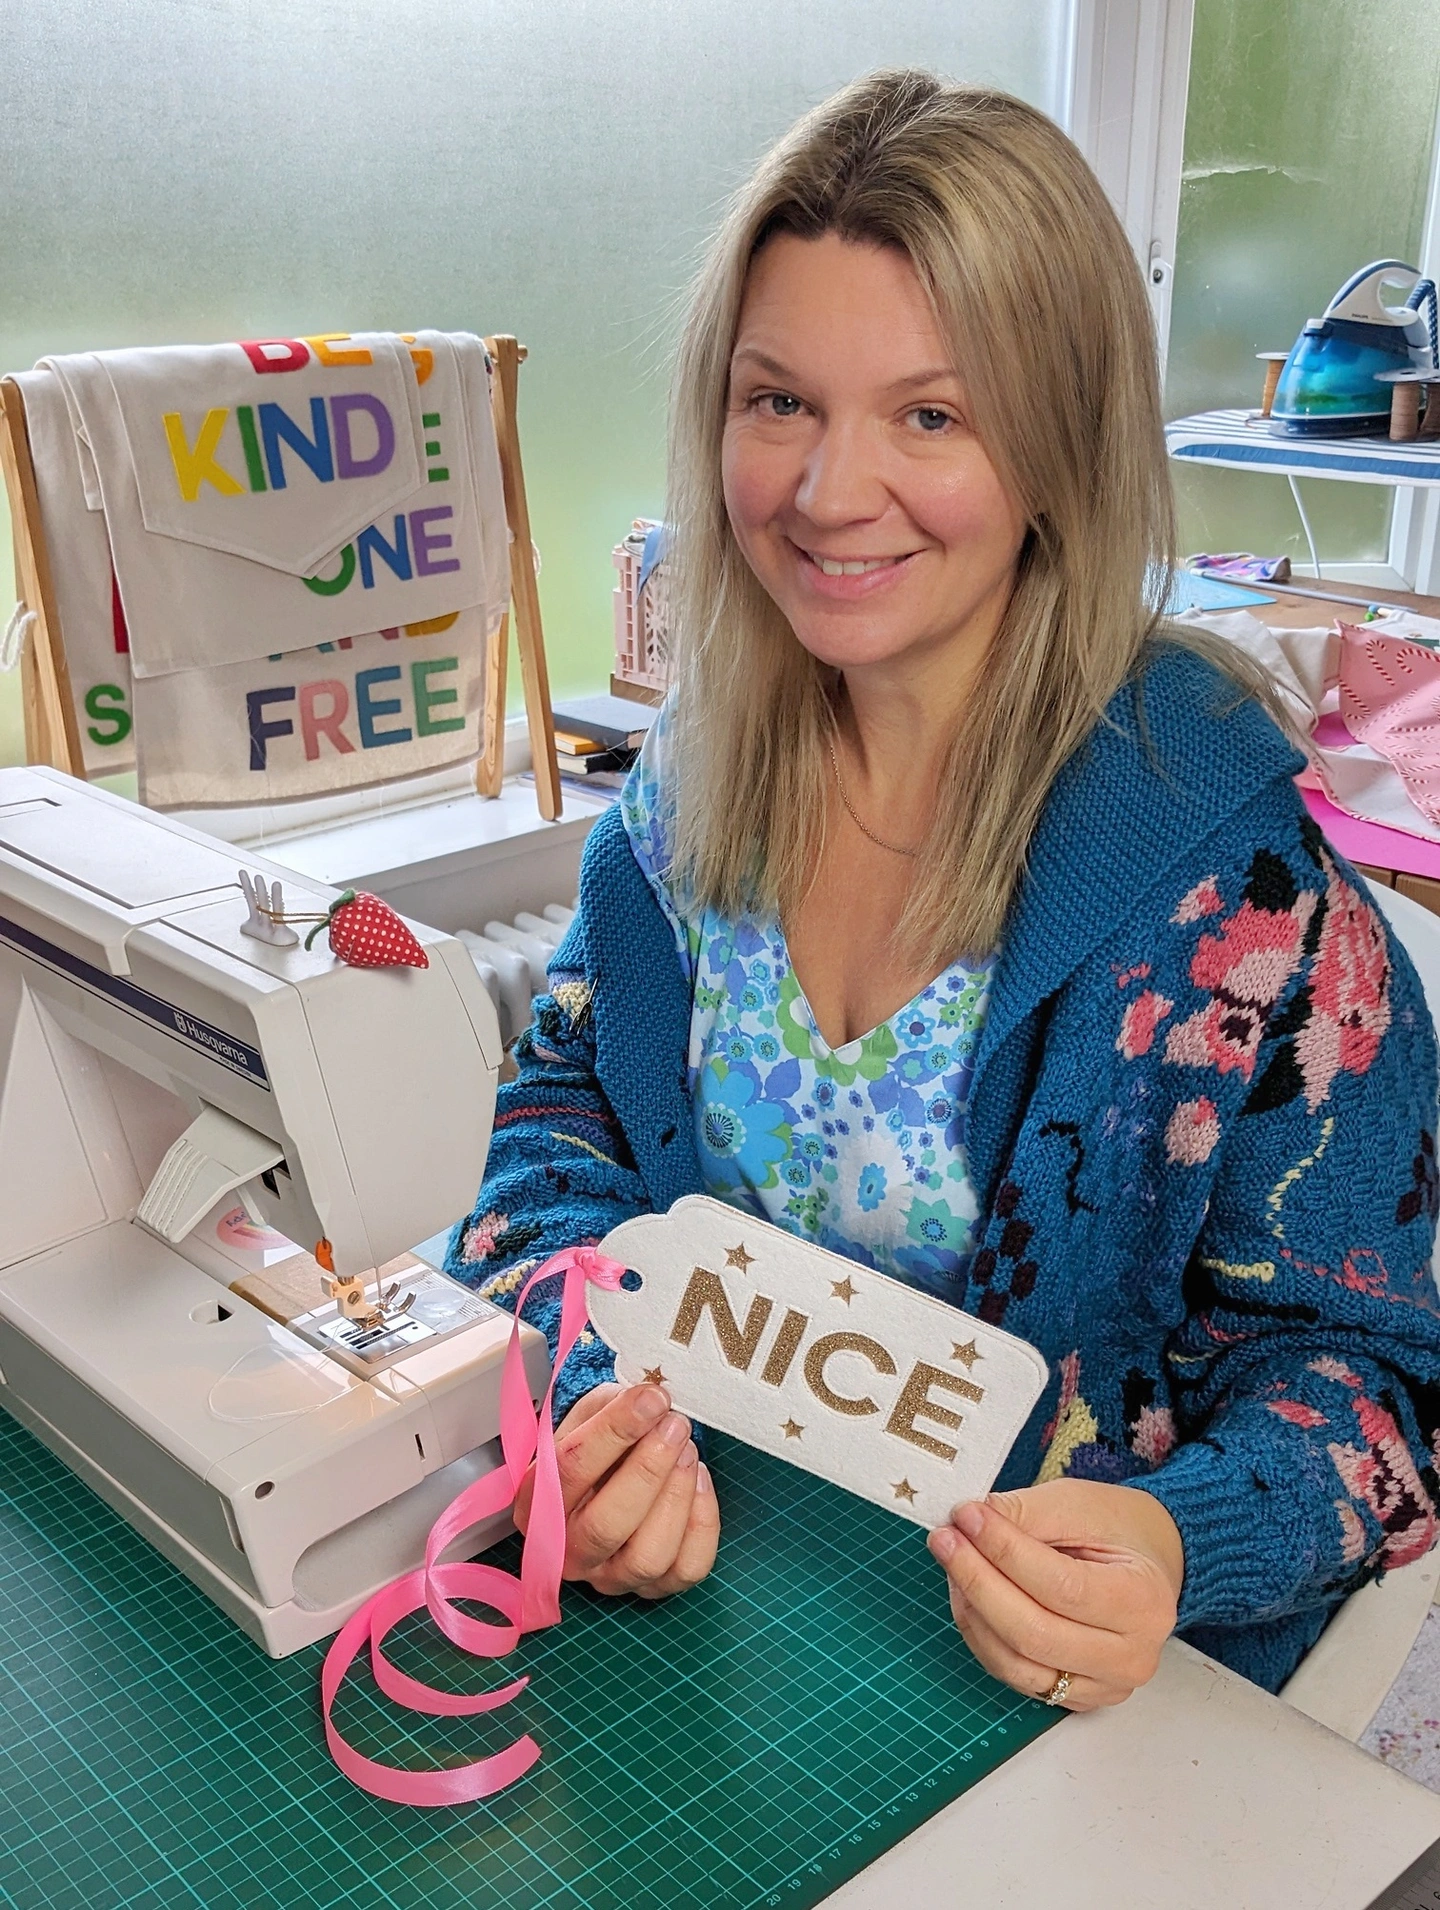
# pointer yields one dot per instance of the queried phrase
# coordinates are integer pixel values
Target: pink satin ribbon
(530, 1601)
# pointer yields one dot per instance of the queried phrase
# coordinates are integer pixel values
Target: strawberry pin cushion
(367, 933)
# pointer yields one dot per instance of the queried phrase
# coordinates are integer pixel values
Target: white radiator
(511, 958)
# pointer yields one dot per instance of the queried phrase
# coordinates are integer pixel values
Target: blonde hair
(1034, 282)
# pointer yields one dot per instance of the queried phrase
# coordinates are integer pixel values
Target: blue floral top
(862, 1147)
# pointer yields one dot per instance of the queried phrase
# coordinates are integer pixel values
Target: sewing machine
(187, 1115)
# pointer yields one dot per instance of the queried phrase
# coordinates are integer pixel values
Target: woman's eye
(780, 404)
(931, 418)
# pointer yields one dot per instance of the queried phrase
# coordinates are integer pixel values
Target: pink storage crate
(642, 650)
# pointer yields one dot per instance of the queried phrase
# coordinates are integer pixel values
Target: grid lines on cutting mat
(751, 1744)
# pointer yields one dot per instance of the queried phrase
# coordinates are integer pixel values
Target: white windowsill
(433, 847)
(453, 835)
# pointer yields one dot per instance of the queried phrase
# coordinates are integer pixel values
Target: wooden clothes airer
(52, 733)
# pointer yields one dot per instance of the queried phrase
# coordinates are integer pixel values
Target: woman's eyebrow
(772, 365)
(932, 375)
(936, 375)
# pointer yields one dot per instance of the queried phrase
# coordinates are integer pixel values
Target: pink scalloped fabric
(529, 1601)
(1390, 699)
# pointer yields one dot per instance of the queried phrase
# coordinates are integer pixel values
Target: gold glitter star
(969, 1353)
(654, 1377)
(737, 1257)
(843, 1289)
(790, 1429)
(904, 1490)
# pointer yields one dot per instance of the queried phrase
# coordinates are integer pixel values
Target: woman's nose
(840, 482)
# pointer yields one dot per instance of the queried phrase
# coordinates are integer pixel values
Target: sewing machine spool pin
(266, 905)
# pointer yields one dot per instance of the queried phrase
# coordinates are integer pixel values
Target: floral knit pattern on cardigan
(1202, 1131)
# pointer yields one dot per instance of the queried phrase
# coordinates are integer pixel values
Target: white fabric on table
(1305, 667)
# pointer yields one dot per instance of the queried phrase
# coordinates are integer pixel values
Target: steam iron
(1328, 385)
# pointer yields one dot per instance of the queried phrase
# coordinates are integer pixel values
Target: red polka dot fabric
(367, 933)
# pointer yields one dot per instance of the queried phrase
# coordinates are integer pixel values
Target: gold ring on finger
(1059, 1691)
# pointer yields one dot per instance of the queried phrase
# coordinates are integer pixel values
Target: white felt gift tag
(839, 1369)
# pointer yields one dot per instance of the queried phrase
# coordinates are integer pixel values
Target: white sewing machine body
(156, 1068)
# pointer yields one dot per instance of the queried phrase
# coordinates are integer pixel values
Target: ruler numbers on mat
(753, 1743)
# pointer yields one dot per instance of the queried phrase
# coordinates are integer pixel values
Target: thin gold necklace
(893, 847)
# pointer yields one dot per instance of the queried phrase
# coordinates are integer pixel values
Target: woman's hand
(1071, 1576)
(640, 1509)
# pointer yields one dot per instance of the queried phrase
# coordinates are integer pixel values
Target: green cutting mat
(753, 1743)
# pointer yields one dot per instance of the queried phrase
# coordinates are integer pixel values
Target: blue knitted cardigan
(1202, 1137)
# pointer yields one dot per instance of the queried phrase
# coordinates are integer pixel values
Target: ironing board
(51, 726)
(1243, 441)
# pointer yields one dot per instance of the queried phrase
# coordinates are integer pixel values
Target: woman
(963, 917)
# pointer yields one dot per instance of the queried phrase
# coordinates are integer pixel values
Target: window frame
(1124, 90)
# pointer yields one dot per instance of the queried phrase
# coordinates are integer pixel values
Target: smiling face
(855, 487)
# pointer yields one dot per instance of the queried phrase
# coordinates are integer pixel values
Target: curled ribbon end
(530, 1601)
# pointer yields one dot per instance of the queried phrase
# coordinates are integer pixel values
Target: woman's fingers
(1028, 1594)
(1091, 1521)
(641, 1511)
(698, 1546)
(617, 1508)
(1028, 1628)
(1072, 1587)
(1076, 1513)
(1024, 1674)
(999, 1659)
(584, 1408)
(651, 1549)
(585, 1450)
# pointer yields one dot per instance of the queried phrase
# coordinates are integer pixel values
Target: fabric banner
(244, 681)
(211, 450)
(342, 715)
(308, 513)
(93, 629)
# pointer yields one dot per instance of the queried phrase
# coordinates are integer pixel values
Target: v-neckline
(849, 1051)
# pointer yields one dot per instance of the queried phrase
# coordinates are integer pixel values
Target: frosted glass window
(1307, 154)
(181, 171)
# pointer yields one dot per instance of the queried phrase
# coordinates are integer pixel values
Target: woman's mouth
(851, 566)
(846, 577)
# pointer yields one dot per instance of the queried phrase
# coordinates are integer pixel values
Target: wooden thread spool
(1274, 363)
(1404, 411)
(1430, 423)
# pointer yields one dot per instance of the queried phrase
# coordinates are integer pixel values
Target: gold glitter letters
(787, 1344)
(831, 1343)
(707, 1290)
(705, 1293)
(915, 1402)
